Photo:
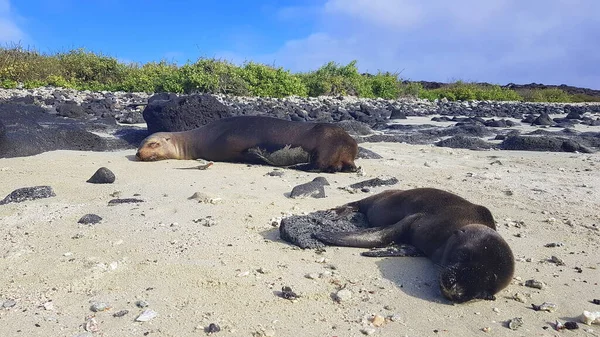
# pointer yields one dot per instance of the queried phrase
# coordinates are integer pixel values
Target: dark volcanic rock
(90, 219)
(397, 114)
(29, 130)
(71, 110)
(375, 182)
(102, 176)
(124, 201)
(355, 128)
(314, 188)
(464, 142)
(28, 193)
(542, 143)
(543, 119)
(183, 113)
(367, 154)
(299, 229)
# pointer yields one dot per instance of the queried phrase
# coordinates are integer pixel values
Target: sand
(52, 269)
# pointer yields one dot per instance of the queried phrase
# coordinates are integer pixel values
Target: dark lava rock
(314, 188)
(441, 119)
(529, 119)
(212, 328)
(397, 114)
(543, 119)
(467, 129)
(299, 229)
(90, 219)
(542, 143)
(29, 130)
(71, 110)
(355, 127)
(102, 176)
(28, 193)
(463, 142)
(367, 154)
(183, 113)
(375, 182)
(124, 201)
(502, 123)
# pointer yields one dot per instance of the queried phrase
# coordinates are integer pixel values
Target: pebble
(515, 323)
(102, 176)
(146, 315)
(9, 304)
(141, 304)
(535, 284)
(519, 297)
(121, 313)
(312, 276)
(90, 219)
(99, 306)
(554, 244)
(557, 260)
(48, 305)
(343, 295)
(91, 325)
(546, 306)
(367, 331)
(213, 328)
(395, 317)
(208, 221)
(288, 293)
(377, 320)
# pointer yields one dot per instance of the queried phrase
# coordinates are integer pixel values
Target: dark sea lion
(242, 138)
(456, 234)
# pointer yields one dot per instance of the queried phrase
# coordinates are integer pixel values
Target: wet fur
(456, 234)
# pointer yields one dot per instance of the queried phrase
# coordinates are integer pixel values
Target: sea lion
(456, 234)
(242, 138)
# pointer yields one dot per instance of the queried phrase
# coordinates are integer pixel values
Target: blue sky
(497, 41)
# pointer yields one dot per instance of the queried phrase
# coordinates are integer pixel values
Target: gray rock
(28, 193)
(102, 176)
(314, 189)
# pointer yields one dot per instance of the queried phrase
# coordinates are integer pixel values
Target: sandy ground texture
(196, 263)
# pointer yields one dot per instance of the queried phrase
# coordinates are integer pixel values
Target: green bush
(84, 70)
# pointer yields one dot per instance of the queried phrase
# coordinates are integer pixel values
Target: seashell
(146, 315)
(590, 317)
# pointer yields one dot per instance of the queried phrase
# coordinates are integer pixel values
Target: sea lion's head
(158, 146)
(478, 263)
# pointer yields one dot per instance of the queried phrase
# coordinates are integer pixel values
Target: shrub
(546, 95)
(263, 80)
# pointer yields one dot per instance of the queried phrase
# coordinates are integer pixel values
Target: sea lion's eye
(153, 145)
(167, 139)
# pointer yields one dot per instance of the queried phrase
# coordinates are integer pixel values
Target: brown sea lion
(236, 139)
(456, 234)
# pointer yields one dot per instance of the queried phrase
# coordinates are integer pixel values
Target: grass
(85, 70)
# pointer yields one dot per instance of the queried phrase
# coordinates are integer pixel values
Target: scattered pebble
(99, 306)
(557, 260)
(208, 221)
(571, 325)
(312, 276)
(519, 297)
(546, 306)
(596, 301)
(343, 295)
(91, 325)
(213, 328)
(121, 313)
(124, 201)
(102, 176)
(9, 304)
(288, 293)
(535, 284)
(554, 244)
(28, 193)
(204, 198)
(486, 329)
(515, 323)
(377, 320)
(89, 219)
(367, 331)
(395, 317)
(48, 305)
(146, 315)
(141, 304)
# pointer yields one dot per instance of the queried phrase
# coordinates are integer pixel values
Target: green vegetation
(84, 70)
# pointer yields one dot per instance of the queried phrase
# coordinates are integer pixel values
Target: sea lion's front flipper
(370, 237)
(402, 250)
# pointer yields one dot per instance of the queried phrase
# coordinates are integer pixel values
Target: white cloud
(499, 41)
(9, 30)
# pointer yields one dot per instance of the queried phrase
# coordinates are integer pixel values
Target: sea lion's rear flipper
(286, 156)
(370, 237)
(402, 250)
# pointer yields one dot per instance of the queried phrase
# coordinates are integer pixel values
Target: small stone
(91, 325)
(124, 201)
(141, 304)
(343, 295)
(554, 244)
(121, 313)
(102, 176)
(146, 315)
(557, 260)
(546, 306)
(596, 301)
(367, 331)
(99, 306)
(28, 193)
(48, 305)
(571, 325)
(89, 219)
(288, 293)
(377, 320)
(534, 284)
(9, 304)
(395, 317)
(312, 276)
(519, 297)
(269, 333)
(486, 329)
(213, 328)
(515, 323)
